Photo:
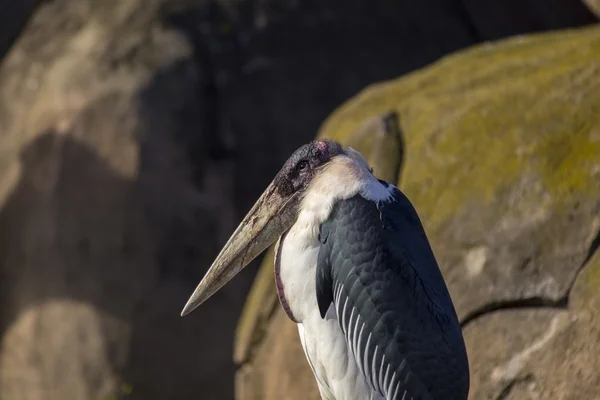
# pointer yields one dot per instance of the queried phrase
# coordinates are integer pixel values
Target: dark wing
(378, 270)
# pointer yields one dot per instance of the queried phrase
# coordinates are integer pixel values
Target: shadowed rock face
(106, 219)
(127, 132)
(501, 158)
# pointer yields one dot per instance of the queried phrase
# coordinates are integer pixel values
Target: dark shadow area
(14, 15)
(66, 233)
(187, 182)
(494, 19)
(593, 248)
(393, 130)
(517, 304)
(75, 232)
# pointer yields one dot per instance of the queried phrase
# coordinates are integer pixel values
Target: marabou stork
(355, 271)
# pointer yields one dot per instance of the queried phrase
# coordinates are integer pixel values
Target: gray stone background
(134, 134)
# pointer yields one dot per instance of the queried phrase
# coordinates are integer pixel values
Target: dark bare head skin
(300, 168)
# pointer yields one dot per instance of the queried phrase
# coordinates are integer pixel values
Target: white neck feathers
(342, 178)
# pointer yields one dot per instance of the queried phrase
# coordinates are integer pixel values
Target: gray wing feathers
(376, 266)
(382, 377)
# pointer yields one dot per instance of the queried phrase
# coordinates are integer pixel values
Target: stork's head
(272, 215)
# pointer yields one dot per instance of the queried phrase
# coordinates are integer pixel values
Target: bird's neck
(297, 253)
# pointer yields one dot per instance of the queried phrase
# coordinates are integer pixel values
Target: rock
(105, 215)
(594, 5)
(351, 46)
(281, 344)
(502, 161)
(13, 17)
(127, 130)
(541, 353)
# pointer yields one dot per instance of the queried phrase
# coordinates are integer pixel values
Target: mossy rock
(500, 154)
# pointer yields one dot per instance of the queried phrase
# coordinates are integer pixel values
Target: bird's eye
(302, 165)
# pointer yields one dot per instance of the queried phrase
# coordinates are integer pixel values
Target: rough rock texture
(105, 217)
(541, 354)
(127, 130)
(501, 157)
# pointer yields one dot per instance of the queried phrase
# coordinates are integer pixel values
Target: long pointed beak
(269, 218)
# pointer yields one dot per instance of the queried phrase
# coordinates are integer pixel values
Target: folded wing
(377, 269)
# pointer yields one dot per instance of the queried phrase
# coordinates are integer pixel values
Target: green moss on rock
(478, 120)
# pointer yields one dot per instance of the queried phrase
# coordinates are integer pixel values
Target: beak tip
(189, 307)
(196, 299)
